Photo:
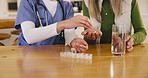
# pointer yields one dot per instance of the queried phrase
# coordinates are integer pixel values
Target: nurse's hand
(77, 21)
(79, 44)
(129, 43)
(92, 33)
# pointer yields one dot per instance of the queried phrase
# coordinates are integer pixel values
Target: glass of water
(118, 45)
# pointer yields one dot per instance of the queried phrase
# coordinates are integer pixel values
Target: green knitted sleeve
(139, 30)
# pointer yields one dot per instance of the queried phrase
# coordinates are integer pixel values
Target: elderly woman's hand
(129, 43)
(79, 44)
(92, 33)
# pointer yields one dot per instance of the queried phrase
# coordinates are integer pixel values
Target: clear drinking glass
(118, 45)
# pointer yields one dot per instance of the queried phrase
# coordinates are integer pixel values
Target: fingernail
(128, 46)
(77, 43)
(81, 45)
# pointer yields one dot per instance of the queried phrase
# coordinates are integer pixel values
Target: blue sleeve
(26, 12)
(69, 10)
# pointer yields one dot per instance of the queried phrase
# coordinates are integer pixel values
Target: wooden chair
(15, 43)
(4, 36)
(4, 24)
(1, 44)
(15, 32)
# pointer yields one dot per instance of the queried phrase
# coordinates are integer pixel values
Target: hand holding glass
(118, 46)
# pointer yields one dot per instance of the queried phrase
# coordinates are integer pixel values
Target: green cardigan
(108, 20)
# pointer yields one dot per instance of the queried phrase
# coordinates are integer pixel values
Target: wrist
(60, 26)
(71, 43)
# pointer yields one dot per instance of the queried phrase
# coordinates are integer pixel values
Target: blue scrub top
(27, 12)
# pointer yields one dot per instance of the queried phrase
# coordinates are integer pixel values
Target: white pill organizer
(73, 54)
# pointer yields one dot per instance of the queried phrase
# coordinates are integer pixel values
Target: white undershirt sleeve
(69, 36)
(33, 35)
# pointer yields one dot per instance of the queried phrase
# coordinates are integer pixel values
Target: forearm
(139, 30)
(32, 34)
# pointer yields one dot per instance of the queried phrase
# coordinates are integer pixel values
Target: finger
(129, 46)
(82, 48)
(85, 47)
(93, 35)
(130, 41)
(78, 50)
(89, 35)
(84, 32)
(127, 38)
(76, 47)
(100, 33)
(85, 23)
(114, 40)
(84, 18)
(130, 49)
(97, 34)
(83, 42)
(73, 45)
(88, 21)
(118, 40)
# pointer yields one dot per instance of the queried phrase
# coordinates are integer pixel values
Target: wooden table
(45, 62)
